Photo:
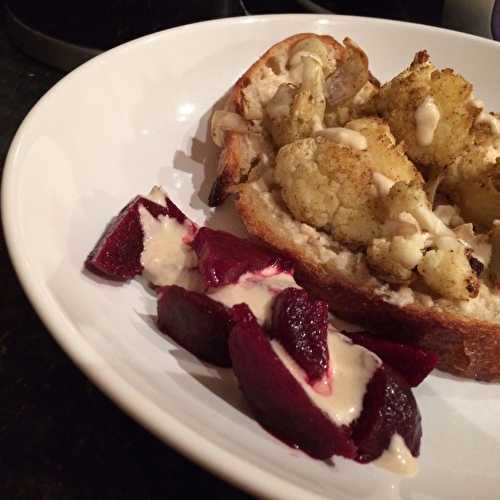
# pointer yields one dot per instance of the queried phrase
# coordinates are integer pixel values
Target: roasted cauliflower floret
(394, 260)
(395, 257)
(472, 181)
(424, 243)
(430, 110)
(447, 271)
(383, 154)
(481, 244)
(328, 182)
(295, 111)
(309, 194)
(479, 197)
(408, 250)
(405, 197)
(443, 261)
(329, 186)
(411, 198)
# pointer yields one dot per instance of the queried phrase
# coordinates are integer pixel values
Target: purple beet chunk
(196, 322)
(279, 402)
(389, 407)
(117, 254)
(300, 323)
(413, 363)
(223, 257)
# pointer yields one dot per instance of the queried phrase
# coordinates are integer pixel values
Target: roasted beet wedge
(389, 407)
(117, 255)
(198, 323)
(300, 323)
(413, 363)
(279, 402)
(223, 257)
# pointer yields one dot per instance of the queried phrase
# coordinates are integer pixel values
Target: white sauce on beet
(166, 258)
(351, 367)
(398, 458)
(257, 290)
(340, 395)
(427, 118)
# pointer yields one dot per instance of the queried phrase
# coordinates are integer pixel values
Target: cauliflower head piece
(399, 101)
(295, 110)
(447, 271)
(394, 260)
(329, 186)
(472, 181)
(384, 155)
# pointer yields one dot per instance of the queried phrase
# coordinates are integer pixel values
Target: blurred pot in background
(65, 34)
(480, 17)
(423, 11)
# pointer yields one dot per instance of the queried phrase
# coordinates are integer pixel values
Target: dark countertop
(60, 437)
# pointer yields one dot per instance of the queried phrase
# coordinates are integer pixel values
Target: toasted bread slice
(464, 333)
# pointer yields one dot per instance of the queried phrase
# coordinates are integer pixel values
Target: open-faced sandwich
(387, 197)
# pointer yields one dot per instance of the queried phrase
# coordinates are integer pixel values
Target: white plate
(137, 116)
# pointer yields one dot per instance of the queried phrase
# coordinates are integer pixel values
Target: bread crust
(466, 346)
